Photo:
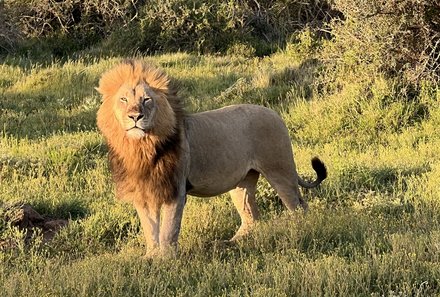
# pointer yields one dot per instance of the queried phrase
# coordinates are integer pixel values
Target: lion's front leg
(172, 213)
(149, 216)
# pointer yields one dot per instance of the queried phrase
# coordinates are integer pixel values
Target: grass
(373, 228)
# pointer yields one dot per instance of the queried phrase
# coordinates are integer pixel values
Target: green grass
(373, 228)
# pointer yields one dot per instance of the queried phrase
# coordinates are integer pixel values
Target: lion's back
(237, 120)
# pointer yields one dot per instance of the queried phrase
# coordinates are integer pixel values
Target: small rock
(55, 225)
(30, 215)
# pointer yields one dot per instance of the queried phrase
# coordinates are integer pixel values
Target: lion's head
(138, 101)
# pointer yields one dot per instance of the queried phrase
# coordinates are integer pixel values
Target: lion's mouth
(138, 126)
(134, 128)
(136, 132)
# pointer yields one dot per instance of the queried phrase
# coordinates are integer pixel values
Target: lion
(158, 153)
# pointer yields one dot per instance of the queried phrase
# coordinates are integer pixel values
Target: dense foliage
(393, 36)
(203, 26)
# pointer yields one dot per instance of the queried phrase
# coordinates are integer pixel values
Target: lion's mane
(148, 165)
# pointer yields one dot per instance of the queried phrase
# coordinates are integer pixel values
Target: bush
(44, 18)
(66, 26)
(191, 25)
(9, 35)
(215, 25)
(395, 37)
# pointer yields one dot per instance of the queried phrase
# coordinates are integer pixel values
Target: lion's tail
(321, 172)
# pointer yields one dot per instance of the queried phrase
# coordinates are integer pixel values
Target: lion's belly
(206, 192)
(209, 189)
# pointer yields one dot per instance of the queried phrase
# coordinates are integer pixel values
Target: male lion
(158, 153)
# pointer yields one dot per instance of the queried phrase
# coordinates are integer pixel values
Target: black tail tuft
(320, 168)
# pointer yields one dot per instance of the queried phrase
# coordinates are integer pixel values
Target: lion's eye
(145, 100)
(123, 99)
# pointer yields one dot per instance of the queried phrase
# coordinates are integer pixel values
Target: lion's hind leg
(243, 197)
(287, 188)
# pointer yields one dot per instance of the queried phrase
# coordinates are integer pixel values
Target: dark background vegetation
(396, 37)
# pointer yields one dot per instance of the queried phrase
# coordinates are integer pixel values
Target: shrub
(190, 25)
(203, 26)
(43, 18)
(9, 35)
(395, 37)
(67, 25)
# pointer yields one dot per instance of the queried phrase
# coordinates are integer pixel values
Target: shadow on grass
(70, 163)
(74, 209)
(357, 179)
(68, 209)
(26, 62)
(44, 123)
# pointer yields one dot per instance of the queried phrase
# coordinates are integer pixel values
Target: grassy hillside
(373, 228)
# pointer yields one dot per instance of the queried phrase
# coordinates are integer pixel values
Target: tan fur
(158, 155)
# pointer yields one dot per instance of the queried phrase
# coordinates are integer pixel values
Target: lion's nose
(136, 116)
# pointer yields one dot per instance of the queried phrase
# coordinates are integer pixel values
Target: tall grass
(373, 228)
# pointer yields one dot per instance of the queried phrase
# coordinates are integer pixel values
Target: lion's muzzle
(139, 119)
(135, 116)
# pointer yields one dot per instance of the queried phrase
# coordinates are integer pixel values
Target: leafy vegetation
(61, 27)
(356, 83)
